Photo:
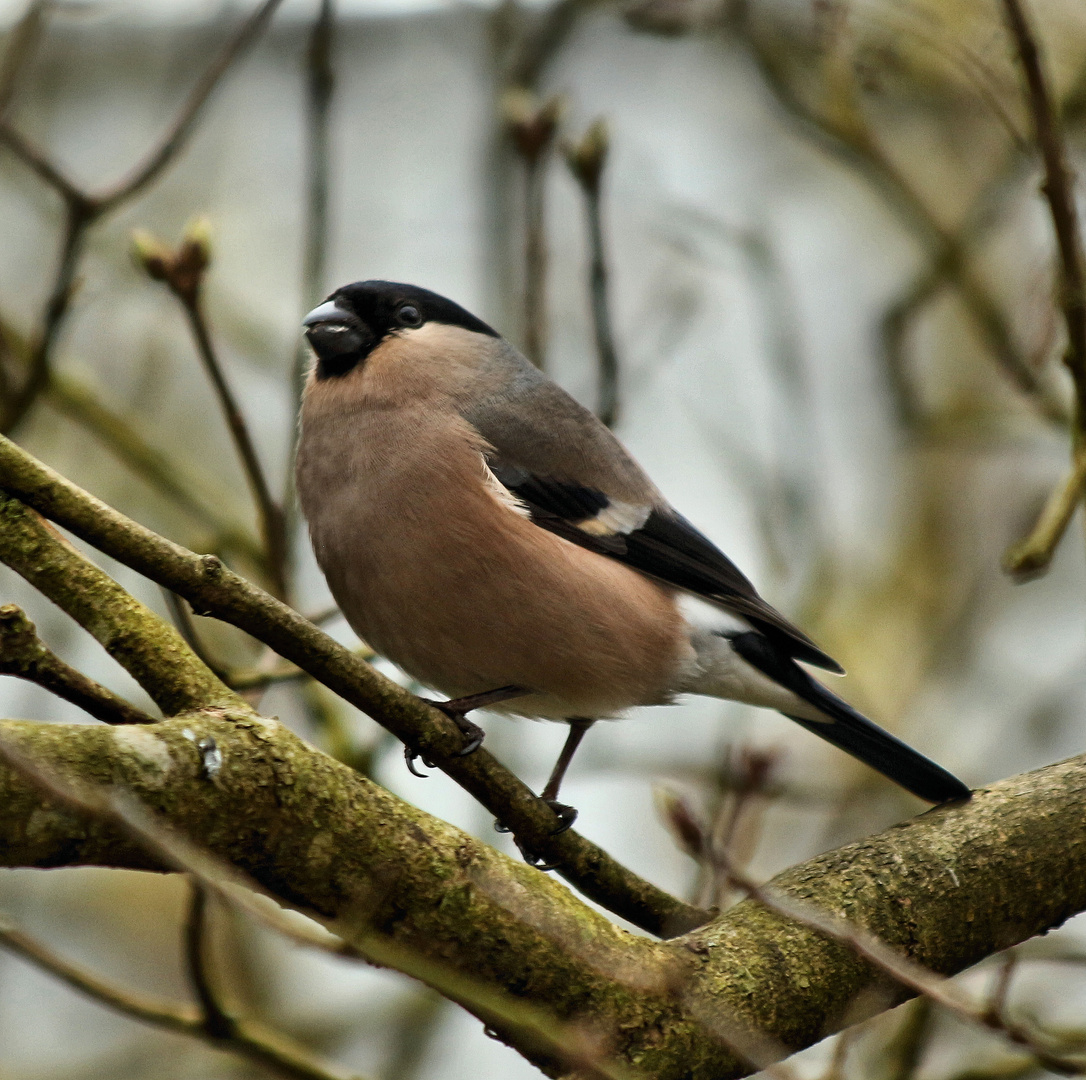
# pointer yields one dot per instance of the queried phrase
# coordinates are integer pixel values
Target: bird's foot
(458, 708)
(566, 815)
(533, 858)
(473, 734)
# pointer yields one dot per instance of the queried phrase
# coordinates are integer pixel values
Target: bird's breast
(435, 567)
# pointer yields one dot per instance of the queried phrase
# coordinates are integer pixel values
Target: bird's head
(356, 319)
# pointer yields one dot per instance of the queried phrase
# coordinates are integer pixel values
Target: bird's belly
(469, 611)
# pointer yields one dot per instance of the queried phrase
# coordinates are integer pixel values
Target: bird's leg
(567, 815)
(578, 727)
(456, 711)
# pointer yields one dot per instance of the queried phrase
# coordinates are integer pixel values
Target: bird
(488, 534)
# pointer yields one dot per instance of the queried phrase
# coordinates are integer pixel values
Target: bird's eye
(409, 315)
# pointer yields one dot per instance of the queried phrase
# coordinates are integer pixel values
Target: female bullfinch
(490, 536)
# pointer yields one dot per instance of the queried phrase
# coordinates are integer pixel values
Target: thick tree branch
(152, 652)
(946, 889)
(212, 589)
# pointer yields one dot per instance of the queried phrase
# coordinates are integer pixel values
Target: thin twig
(853, 143)
(587, 161)
(320, 84)
(35, 159)
(1031, 556)
(903, 1052)
(22, 42)
(82, 209)
(1057, 189)
(532, 127)
(732, 822)
(215, 1020)
(24, 655)
(182, 271)
(272, 521)
(996, 1005)
(249, 1041)
(181, 617)
(180, 130)
(77, 220)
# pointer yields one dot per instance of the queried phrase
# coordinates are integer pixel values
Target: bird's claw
(475, 738)
(411, 756)
(534, 859)
(566, 815)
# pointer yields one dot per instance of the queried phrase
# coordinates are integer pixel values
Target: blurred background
(831, 297)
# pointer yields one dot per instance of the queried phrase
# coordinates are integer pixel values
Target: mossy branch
(24, 655)
(212, 589)
(152, 652)
(945, 889)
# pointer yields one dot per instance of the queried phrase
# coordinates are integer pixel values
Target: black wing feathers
(666, 546)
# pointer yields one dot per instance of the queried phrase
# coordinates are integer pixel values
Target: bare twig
(22, 40)
(35, 159)
(78, 217)
(180, 130)
(903, 1052)
(182, 271)
(587, 160)
(249, 1041)
(181, 616)
(851, 142)
(1032, 555)
(24, 655)
(1057, 189)
(82, 209)
(320, 84)
(216, 1021)
(734, 831)
(996, 1005)
(532, 127)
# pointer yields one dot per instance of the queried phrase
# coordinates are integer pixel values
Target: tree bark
(947, 888)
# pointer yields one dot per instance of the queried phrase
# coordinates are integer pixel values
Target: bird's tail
(850, 730)
(885, 753)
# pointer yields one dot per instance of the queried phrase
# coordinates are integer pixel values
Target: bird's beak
(338, 337)
(328, 312)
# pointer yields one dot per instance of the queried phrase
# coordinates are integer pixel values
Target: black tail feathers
(850, 730)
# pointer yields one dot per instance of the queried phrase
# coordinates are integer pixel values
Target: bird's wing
(577, 480)
(656, 540)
